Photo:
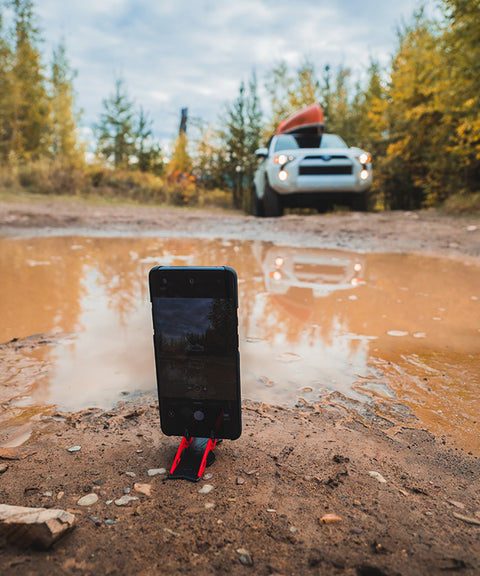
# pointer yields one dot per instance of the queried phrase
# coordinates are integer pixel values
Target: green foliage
(63, 121)
(29, 105)
(115, 131)
(241, 136)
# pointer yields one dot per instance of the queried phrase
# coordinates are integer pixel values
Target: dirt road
(425, 231)
(311, 490)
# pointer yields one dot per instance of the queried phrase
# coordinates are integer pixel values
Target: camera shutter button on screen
(199, 415)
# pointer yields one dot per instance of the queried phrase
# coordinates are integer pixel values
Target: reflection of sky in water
(421, 335)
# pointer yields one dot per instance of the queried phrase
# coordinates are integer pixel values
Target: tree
(148, 153)
(415, 127)
(115, 132)
(241, 134)
(180, 163)
(6, 95)
(461, 92)
(64, 140)
(290, 92)
(31, 110)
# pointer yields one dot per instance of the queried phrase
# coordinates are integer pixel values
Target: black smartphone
(196, 350)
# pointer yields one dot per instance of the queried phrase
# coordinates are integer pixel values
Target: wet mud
(359, 347)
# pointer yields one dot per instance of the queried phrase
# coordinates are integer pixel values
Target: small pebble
(271, 510)
(3, 468)
(245, 557)
(48, 494)
(75, 449)
(209, 505)
(208, 476)
(96, 520)
(130, 474)
(127, 491)
(293, 530)
(125, 500)
(378, 476)
(155, 471)
(240, 480)
(108, 502)
(87, 500)
(60, 495)
(109, 522)
(206, 489)
(144, 489)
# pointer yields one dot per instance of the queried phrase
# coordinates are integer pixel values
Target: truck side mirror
(261, 152)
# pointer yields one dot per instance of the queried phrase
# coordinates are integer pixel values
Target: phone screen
(196, 353)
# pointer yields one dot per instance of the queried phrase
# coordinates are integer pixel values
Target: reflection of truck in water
(321, 271)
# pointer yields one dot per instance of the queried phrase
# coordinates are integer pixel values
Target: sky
(195, 53)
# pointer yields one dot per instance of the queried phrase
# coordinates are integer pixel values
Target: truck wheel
(272, 202)
(358, 201)
(257, 204)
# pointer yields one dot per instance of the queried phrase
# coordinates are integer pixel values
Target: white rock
(206, 489)
(75, 449)
(125, 500)
(155, 471)
(87, 500)
(37, 527)
(378, 476)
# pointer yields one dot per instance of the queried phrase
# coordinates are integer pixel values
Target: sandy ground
(313, 490)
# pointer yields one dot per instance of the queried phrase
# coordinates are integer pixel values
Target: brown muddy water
(395, 337)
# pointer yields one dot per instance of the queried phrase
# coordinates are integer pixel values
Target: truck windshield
(295, 141)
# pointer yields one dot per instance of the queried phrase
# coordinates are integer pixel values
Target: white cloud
(195, 53)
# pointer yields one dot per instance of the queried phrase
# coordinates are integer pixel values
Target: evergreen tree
(148, 153)
(242, 134)
(63, 128)
(290, 92)
(460, 92)
(339, 113)
(415, 129)
(6, 95)
(254, 129)
(31, 110)
(115, 132)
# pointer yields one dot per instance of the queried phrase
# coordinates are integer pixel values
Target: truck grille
(325, 170)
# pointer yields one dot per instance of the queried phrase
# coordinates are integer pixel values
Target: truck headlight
(282, 159)
(364, 158)
(364, 174)
(283, 175)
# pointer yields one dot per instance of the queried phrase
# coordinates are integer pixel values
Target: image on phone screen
(197, 361)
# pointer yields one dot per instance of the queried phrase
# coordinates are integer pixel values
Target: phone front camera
(191, 281)
(164, 281)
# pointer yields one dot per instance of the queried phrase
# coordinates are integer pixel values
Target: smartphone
(197, 359)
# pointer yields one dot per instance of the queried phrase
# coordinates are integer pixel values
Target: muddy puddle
(394, 337)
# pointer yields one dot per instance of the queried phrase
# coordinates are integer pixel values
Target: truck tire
(257, 204)
(272, 202)
(359, 201)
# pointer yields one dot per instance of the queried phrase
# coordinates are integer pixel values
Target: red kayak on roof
(310, 117)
